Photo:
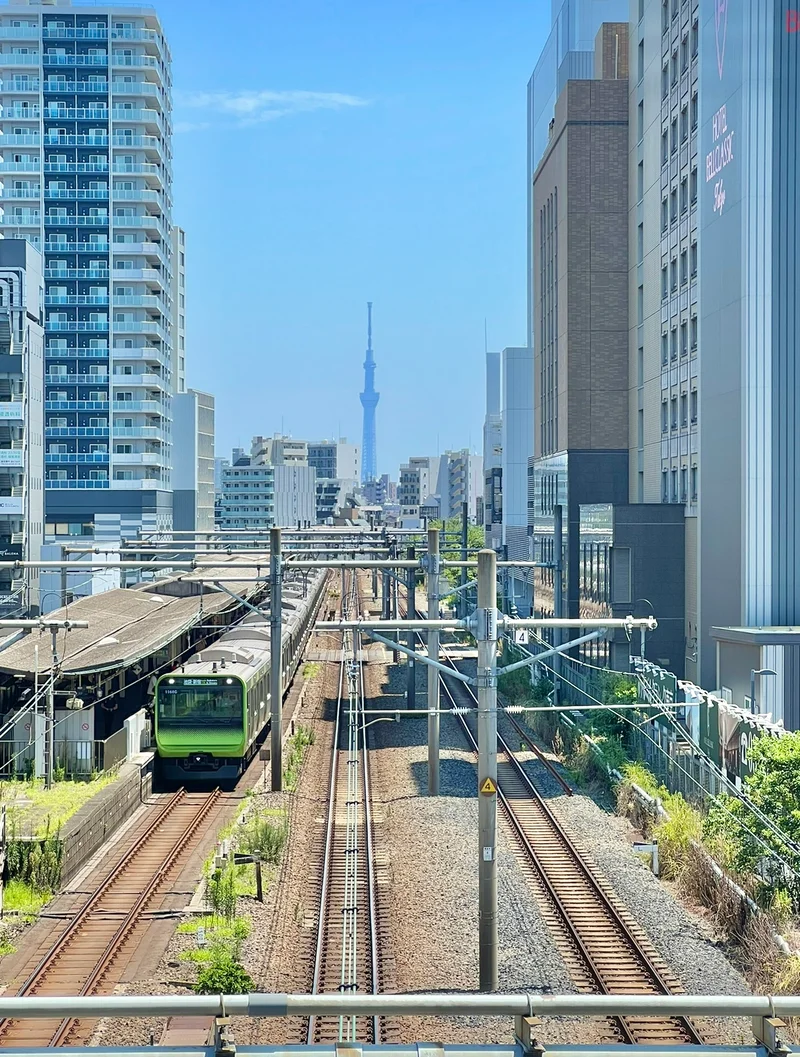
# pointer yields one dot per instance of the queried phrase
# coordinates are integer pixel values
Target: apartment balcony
(140, 168)
(76, 379)
(143, 88)
(31, 165)
(27, 139)
(137, 62)
(60, 220)
(8, 58)
(19, 33)
(77, 326)
(50, 58)
(145, 249)
(144, 326)
(34, 191)
(146, 353)
(76, 405)
(124, 274)
(75, 194)
(18, 84)
(142, 380)
(138, 483)
(141, 432)
(76, 484)
(72, 33)
(139, 301)
(73, 458)
(76, 299)
(21, 113)
(76, 166)
(138, 458)
(76, 273)
(152, 407)
(73, 141)
(141, 115)
(141, 194)
(142, 142)
(56, 84)
(53, 112)
(145, 221)
(54, 432)
(21, 220)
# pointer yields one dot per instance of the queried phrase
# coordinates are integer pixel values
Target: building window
(664, 147)
(694, 112)
(684, 125)
(673, 206)
(673, 270)
(684, 268)
(684, 340)
(693, 329)
(684, 411)
(693, 401)
(674, 486)
(664, 487)
(664, 283)
(693, 186)
(694, 484)
(664, 82)
(641, 61)
(640, 181)
(684, 195)
(664, 417)
(664, 214)
(695, 38)
(673, 137)
(674, 66)
(664, 350)
(673, 344)
(673, 413)
(684, 485)
(693, 260)
(640, 120)
(640, 305)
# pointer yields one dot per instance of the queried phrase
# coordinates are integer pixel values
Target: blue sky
(331, 152)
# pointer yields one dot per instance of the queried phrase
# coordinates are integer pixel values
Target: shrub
(221, 891)
(263, 836)
(224, 976)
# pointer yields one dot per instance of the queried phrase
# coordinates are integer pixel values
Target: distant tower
(369, 401)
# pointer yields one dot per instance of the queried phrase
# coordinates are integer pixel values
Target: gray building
(567, 54)
(193, 470)
(259, 495)
(87, 161)
(516, 388)
(21, 421)
(611, 555)
(492, 455)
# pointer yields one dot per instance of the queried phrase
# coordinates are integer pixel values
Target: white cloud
(250, 107)
(189, 126)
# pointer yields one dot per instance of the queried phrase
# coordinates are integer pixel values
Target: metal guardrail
(462, 1003)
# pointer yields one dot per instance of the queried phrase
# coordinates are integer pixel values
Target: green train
(211, 713)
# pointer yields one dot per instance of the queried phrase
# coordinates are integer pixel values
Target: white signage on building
(10, 504)
(10, 456)
(10, 410)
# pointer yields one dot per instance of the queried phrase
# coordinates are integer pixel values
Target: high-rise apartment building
(21, 422)
(86, 174)
(492, 455)
(259, 495)
(178, 310)
(516, 372)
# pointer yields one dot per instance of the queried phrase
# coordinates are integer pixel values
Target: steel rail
(133, 915)
(627, 1030)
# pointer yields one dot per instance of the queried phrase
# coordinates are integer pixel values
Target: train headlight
(170, 681)
(229, 681)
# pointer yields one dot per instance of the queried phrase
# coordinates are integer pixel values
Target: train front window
(212, 702)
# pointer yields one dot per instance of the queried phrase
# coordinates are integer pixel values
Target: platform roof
(125, 624)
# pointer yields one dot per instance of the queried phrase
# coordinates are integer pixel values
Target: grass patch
(295, 750)
(35, 811)
(311, 670)
(24, 899)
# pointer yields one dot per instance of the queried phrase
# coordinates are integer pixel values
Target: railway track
(349, 935)
(604, 948)
(85, 957)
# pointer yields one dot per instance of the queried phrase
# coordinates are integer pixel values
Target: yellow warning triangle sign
(488, 787)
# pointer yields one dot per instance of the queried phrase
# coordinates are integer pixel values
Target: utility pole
(558, 594)
(433, 652)
(462, 595)
(486, 634)
(51, 714)
(411, 612)
(275, 656)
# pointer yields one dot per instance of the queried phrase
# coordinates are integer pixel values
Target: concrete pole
(463, 607)
(487, 768)
(51, 715)
(433, 652)
(558, 594)
(275, 657)
(411, 612)
(374, 585)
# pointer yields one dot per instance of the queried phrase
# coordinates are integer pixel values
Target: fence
(72, 759)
